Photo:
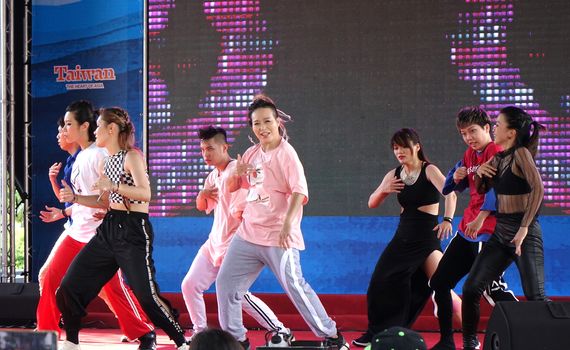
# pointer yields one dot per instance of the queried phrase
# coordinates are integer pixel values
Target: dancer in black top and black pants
(518, 236)
(399, 287)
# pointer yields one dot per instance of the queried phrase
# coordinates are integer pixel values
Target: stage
(110, 339)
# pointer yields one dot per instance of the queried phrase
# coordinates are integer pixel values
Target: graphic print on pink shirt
(282, 175)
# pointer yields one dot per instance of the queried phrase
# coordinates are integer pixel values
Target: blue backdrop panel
(341, 253)
(86, 49)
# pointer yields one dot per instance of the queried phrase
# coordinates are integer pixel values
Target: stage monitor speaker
(18, 304)
(27, 340)
(529, 325)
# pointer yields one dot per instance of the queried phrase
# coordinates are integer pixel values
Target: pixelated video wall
(351, 73)
(481, 50)
(240, 69)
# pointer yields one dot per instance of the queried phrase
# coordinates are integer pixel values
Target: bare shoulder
(134, 158)
(432, 169)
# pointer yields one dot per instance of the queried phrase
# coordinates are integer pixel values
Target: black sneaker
(337, 343)
(470, 342)
(446, 343)
(148, 341)
(245, 344)
(364, 340)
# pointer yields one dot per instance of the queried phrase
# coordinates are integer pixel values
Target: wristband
(64, 213)
(448, 219)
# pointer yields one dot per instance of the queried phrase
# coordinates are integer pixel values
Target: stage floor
(92, 339)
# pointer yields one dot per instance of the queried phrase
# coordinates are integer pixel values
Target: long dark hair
(527, 130)
(407, 138)
(84, 113)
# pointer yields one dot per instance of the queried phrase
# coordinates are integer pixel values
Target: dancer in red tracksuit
(79, 127)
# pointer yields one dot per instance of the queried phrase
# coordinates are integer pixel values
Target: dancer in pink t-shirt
(227, 206)
(270, 233)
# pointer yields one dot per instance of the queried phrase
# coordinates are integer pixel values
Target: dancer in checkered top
(78, 128)
(124, 239)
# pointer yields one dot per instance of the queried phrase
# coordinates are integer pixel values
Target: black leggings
(123, 240)
(456, 262)
(495, 258)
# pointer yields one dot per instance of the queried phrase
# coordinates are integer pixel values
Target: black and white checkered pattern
(115, 170)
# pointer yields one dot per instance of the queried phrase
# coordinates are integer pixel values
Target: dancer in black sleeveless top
(518, 236)
(399, 287)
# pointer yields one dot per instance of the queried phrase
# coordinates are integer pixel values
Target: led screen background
(350, 75)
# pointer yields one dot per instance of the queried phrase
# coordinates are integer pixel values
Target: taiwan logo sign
(83, 78)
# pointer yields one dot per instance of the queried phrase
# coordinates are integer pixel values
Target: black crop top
(507, 182)
(420, 193)
(517, 184)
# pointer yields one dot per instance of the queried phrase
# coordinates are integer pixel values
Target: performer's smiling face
(265, 125)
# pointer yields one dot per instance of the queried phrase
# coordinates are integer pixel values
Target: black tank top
(506, 182)
(421, 193)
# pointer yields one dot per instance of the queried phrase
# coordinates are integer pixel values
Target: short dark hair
(472, 115)
(214, 339)
(212, 131)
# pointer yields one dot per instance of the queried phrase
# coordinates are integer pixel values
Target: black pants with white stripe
(123, 240)
(455, 264)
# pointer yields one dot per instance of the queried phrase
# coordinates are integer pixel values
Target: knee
(147, 300)
(471, 291)
(439, 283)
(189, 286)
(222, 285)
(61, 297)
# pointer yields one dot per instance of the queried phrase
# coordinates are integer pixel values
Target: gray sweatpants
(241, 266)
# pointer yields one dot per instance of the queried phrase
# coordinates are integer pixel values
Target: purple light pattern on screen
(243, 63)
(479, 51)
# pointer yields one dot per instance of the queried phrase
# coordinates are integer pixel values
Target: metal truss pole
(11, 138)
(27, 126)
(7, 180)
(3, 157)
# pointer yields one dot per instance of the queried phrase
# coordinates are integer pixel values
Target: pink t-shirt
(225, 224)
(279, 174)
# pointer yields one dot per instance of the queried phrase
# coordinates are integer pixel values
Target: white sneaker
(184, 346)
(67, 345)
